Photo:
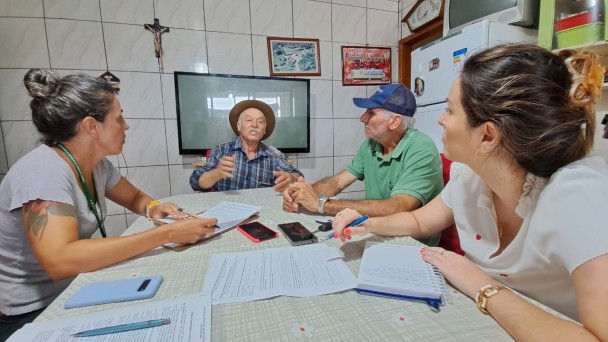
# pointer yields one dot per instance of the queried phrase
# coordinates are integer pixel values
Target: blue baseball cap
(394, 97)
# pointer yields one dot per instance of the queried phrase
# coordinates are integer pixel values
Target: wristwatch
(321, 203)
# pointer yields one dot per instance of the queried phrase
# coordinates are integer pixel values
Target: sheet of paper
(228, 215)
(190, 321)
(293, 271)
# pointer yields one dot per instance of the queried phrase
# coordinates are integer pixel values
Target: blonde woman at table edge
(530, 206)
(45, 212)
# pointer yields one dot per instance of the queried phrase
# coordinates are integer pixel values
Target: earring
(477, 154)
(485, 150)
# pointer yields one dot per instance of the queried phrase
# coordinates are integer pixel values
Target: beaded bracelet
(485, 293)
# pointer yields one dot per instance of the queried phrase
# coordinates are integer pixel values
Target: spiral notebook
(398, 271)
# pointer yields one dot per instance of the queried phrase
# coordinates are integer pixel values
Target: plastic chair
(207, 155)
(449, 236)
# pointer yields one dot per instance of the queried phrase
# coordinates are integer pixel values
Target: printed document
(190, 321)
(301, 271)
(228, 215)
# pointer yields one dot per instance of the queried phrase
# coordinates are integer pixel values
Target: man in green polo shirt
(400, 166)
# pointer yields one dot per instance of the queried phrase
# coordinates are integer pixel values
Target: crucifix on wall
(157, 30)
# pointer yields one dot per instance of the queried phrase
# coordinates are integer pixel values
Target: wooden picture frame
(294, 56)
(363, 65)
(423, 13)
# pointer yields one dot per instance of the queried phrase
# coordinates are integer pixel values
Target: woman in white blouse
(530, 205)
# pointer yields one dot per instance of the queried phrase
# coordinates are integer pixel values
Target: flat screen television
(204, 101)
(460, 13)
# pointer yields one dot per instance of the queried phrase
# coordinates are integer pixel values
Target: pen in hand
(194, 216)
(187, 213)
(123, 327)
(352, 224)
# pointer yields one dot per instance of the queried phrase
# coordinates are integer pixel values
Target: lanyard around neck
(86, 190)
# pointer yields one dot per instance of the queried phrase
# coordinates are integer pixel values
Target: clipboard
(180, 248)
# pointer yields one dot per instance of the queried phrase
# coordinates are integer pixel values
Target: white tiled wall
(217, 36)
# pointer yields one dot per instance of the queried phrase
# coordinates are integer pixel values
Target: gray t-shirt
(40, 174)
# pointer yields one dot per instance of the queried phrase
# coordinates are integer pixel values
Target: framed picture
(366, 65)
(294, 57)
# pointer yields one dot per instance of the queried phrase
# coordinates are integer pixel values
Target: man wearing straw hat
(245, 162)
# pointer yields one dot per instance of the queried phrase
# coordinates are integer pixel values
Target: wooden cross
(157, 30)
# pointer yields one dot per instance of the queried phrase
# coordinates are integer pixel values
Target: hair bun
(41, 83)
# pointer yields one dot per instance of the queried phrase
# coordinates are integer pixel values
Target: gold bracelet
(482, 296)
(150, 205)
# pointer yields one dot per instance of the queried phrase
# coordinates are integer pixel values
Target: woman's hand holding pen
(188, 230)
(345, 218)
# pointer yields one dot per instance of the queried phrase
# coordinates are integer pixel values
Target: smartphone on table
(297, 234)
(257, 232)
(115, 291)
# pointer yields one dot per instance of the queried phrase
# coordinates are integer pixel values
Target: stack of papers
(292, 271)
(228, 215)
(190, 321)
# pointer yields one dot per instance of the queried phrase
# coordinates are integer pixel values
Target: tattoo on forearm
(36, 214)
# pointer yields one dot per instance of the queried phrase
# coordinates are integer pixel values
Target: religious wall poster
(366, 65)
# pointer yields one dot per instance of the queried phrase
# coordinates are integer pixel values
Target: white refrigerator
(436, 65)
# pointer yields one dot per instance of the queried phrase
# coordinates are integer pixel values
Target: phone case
(115, 291)
(292, 231)
(253, 238)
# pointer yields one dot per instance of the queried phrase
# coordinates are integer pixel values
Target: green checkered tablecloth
(346, 316)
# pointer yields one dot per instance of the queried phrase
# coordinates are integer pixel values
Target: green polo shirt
(413, 168)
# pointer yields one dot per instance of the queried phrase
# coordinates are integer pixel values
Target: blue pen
(352, 224)
(123, 327)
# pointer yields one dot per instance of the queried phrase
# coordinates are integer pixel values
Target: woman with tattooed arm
(54, 198)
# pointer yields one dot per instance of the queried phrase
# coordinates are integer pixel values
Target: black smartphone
(257, 232)
(297, 234)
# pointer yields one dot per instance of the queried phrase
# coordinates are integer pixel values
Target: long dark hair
(525, 91)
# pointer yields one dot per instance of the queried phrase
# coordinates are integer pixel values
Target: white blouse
(565, 224)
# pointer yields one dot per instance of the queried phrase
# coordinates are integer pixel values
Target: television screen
(205, 100)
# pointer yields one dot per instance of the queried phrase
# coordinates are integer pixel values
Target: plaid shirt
(248, 174)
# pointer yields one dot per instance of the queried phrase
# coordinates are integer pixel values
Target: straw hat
(246, 104)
